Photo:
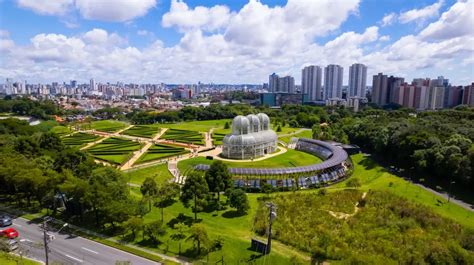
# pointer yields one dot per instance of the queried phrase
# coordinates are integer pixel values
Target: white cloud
(115, 11)
(105, 10)
(388, 19)
(47, 7)
(256, 40)
(181, 16)
(143, 32)
(421, 14)
(457, 21)
(4, 34)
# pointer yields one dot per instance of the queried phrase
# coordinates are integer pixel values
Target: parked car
(10, 233)
(5, 220)
(12, 244)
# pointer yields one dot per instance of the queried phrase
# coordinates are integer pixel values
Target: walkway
(345, 216)
(139, 153)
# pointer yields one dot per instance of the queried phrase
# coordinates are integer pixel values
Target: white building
(333, 81)
(357, 80)
(311, 79)
(273, 83)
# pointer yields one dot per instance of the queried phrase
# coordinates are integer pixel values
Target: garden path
(345, 216)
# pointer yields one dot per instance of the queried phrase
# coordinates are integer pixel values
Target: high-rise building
(286, 84)
(379, 89)
(357, 80)
(92, 84)
(311, 80)
(468, 95)
(435, 98)
(273, 83)
(333, 81)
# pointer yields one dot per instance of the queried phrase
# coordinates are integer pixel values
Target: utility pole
(45, 240)
(272, 215)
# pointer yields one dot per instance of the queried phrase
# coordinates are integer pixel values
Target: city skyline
(240, 42)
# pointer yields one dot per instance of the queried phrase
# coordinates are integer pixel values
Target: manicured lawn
(114, 150)
(218, 135)
(160, 151)
(9, 259)
(303, 134)
(79, 139)
(285, 130)
(291, 158)
(61, 130)
(107, 125)
(159, 172)
(197, 126)
(184, 136)
(374, 177)
(145, 131)
(235, 230)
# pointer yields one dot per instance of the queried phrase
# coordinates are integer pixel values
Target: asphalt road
(66, 249)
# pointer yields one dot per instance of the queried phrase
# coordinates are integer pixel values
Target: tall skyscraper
(273, 83)
(333, 81)
(286, 84)
(92, 84)
(357, 80)
(379, 89)
(311, 79)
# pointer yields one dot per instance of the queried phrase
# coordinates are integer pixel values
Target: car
(12, 244)
(5, 220)
(10, 233)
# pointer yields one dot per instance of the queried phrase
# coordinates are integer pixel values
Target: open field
(79, 139)
(374, 177)
(383, 229)
(61, 130)
(145, 131)
(184, 136)
(291, 158)
(159, 172)
(160, 151)
(109, 126)
(114, 150)
(303, 134)
(9, 259)
(197, 126)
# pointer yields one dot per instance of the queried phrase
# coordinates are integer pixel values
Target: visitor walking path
(345, 216)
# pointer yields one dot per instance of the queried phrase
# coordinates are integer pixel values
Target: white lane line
(86, 249)
(18, 225)
(25, 240)
(71, 257)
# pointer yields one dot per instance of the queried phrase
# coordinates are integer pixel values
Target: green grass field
(145, 131)
(61, 130)
(184, 136)
(304, 134)
(197, 126)
(160, 151)
(291, 158)
(159, 172)
(79, 139)
(218, 135)
(105, 125)
(374, 177)
(114, 150)
(9, 259)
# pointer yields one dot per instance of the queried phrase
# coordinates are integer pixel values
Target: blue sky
(213, 41)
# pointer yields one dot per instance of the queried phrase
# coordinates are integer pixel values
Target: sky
(233, 41)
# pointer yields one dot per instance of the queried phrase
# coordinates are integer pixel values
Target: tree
(149, 190)
(238, 200)
(198, 235)
(226, 125)
(218, 178)
(154, 230)
(180, 234)
(278, 128)
(195, 188)
(165, 196)
(134, 224)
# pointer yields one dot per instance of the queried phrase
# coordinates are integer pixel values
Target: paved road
(69, 250)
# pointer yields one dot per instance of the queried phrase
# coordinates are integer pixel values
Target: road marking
(25, 240)
(71, 257)
(18, 225)
(86, 249)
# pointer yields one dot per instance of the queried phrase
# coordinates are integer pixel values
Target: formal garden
(108, 126)
(145, 131)
(184, 136)
(161, 151)
(114, 150)
(79, 139)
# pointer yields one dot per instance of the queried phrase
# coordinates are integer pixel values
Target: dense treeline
(43, 109)
(433, 144)
(387, 230)
(36, 169)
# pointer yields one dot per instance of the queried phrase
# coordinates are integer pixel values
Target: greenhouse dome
(251, 137)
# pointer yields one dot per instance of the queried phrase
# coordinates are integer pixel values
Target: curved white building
(251, 137)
